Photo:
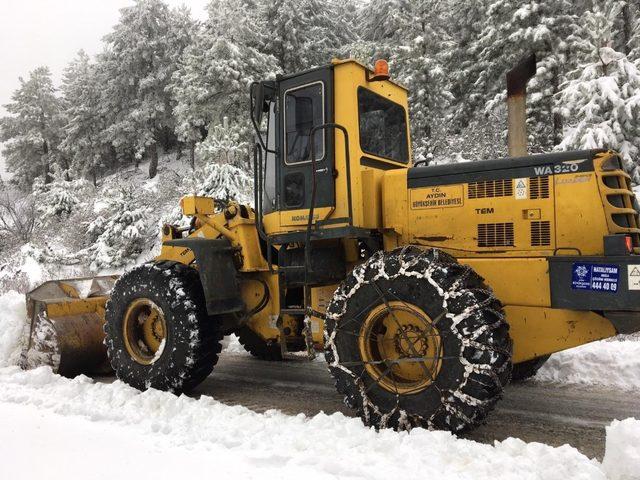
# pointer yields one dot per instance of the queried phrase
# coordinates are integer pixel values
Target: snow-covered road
(533, 411)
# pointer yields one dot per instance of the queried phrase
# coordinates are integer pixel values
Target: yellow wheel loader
(426, 287)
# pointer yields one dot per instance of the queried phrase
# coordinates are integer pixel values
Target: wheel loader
(427, 287)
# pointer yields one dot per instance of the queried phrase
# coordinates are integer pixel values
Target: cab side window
(304, 109)
(383, 127)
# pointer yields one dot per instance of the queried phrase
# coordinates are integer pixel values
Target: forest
(165, 82)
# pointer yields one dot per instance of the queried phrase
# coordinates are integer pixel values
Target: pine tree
(121, 233)
(32, 130)
(302, 34)
(138, 64)
(213, 79)
(601, 103)
(60, 196)
(420, 64)
(513, 31)
(84, 141)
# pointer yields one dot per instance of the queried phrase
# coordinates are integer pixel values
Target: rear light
(628, 241)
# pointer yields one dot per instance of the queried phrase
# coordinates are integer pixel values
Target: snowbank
(258, 445)
(13, 327)
(613, 364)
(622, 456)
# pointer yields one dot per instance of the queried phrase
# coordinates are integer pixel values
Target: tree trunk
(627, 28)
(153, 164)
(45, 163)
(179, 147)
(192, 155)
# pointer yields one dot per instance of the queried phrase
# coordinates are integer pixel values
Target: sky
(51, 32)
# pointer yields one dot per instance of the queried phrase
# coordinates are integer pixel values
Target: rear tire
(190, 341)
(471, 363)
(525, 370)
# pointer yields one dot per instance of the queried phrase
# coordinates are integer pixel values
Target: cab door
(306, 101)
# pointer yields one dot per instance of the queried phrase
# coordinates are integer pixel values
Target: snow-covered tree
(60, 196)
(120, 233)
(84, 141)
(223, 182)
(601, 104)
(33, 128)
(140, 58)
(227, 144)
(419, 62)
(214, 75)
(513, 30)
(302, 34)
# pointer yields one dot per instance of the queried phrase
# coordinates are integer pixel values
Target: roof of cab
(333, 63)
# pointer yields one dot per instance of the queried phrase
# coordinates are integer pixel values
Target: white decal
(522, 188)
(633, 273)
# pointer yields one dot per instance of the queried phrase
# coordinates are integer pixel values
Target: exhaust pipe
(517, 79)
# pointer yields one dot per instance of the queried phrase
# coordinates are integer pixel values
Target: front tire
(158, 333)
(415, 339)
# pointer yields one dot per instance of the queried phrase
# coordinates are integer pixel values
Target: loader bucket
(66, 320)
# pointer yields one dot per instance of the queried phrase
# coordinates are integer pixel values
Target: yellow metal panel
(192, 205)
(298, 218)
(515, 281)
(448, 217)
(372, 195)
(394, 201)
(247, 235)
(580, 218)
(541, 331)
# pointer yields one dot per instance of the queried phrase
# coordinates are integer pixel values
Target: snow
(30, 265)
(622, 457)
(614, 364)
(13, 329)
(231, 344)
(159, 352)
(58, 418)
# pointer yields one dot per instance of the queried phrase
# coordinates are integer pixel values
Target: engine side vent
(538, 187)
(495, 235)
(491, 188)
(541, 234)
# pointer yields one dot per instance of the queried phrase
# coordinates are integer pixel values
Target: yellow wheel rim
(400, 347)
(144, 329)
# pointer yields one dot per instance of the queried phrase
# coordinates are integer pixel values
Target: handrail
(257, 189)
(314, 130)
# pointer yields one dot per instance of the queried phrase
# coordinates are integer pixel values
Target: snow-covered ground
(614, 364)
(80, 427)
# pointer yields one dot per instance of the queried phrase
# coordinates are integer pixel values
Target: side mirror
(257, 95)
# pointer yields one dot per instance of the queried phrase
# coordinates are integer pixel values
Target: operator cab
(324, 138)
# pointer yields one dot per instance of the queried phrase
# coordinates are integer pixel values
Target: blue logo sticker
(595, 276)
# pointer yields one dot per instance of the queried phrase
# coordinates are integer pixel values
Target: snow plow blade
(66, 319)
